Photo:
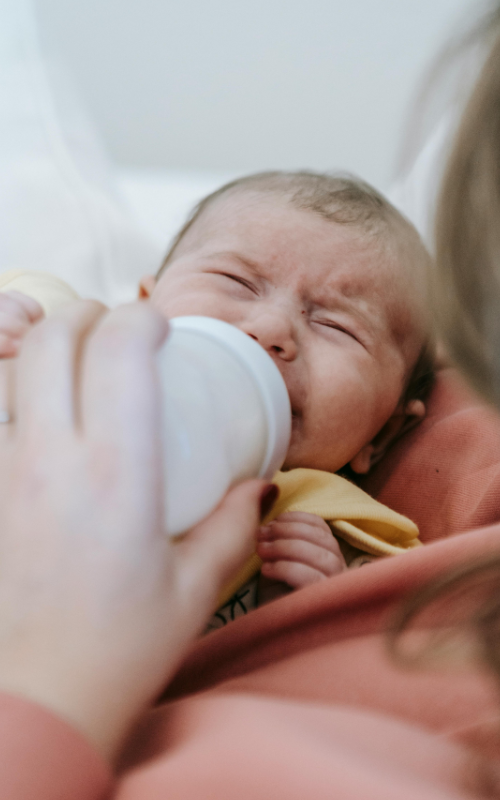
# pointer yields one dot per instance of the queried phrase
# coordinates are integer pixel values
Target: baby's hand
(18, 313)
(299, 549)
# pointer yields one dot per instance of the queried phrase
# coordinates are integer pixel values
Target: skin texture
(341, 318)
(98, 604)
(336, 313)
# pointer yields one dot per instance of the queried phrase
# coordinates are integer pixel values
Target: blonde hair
(458, 614)
(468, 233)
(337, 197)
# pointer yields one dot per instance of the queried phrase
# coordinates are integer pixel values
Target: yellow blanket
(353, 514)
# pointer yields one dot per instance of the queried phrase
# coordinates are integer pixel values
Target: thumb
(219, 545)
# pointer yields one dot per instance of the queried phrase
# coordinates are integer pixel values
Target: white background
(241, 85)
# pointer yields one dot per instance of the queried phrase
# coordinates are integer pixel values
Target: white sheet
(161, 200)
(60, 210)
(65, 210)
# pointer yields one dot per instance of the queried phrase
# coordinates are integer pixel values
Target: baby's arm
(18, 313)
(299, 549)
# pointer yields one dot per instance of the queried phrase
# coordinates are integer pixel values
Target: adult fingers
(121, 398)
(312, 555)
(47, 367)
(121, 412)
(213, 550)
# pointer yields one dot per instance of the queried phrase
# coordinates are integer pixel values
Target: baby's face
(330, 306)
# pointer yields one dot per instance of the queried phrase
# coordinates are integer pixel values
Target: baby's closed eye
(237, 279)
(335, 326)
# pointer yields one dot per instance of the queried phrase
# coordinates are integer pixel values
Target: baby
(331, 280)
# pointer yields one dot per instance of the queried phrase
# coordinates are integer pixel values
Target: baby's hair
(343, 199)
(337, 197)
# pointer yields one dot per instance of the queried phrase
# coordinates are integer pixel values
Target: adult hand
(97, 604)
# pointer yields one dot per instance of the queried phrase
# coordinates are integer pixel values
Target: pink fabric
(445, 474)
(327, 644)
(235, 746)
(300, 698)
(44, 758)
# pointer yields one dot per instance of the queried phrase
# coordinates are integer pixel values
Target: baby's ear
(146, 287)
(404, 418)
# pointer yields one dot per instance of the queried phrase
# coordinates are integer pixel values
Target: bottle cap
(265, 374)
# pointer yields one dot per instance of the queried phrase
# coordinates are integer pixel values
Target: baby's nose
(274, 332)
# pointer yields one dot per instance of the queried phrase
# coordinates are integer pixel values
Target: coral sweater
(298, 699)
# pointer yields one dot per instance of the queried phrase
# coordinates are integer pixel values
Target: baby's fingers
(316, 557)
(12, 332)
(316, 532)
(9, 346)
(20, 305)
(18, 312)
(293, 574)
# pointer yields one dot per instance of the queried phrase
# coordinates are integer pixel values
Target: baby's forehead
(374, 263)
(236, 206)
(244, 210)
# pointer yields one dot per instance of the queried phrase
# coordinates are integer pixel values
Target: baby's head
(331, 280)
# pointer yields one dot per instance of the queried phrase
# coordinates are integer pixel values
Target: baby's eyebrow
(232, 255)
(336, 300)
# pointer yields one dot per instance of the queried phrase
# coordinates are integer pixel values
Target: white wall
(239, 85)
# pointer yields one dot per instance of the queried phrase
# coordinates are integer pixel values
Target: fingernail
(263, 532)
(267, 499)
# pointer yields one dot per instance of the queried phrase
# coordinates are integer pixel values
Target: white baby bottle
(226, 416)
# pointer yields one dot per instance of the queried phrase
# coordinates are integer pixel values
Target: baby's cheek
(198, 303)
(331, 436)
